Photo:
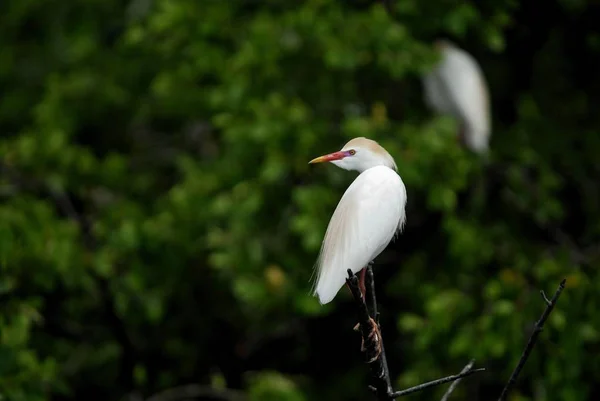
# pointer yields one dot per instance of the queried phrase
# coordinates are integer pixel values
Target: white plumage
(456, 86)
(370, 213)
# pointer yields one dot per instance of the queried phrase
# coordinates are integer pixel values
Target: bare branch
(379, 371)
(434, 383)
(453, 385)
(532, 339)
(545, 297)
(372, 299)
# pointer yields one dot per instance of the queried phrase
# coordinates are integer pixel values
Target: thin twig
(435, 383)
(453, 385)
(545, 297)
(532, 339)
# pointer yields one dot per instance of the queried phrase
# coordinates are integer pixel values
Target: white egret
(369, 215)
(456, 86)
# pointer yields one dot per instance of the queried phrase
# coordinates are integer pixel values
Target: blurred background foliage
(159, 221)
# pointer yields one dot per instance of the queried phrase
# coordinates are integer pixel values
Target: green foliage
(181, 132)
(272, 386)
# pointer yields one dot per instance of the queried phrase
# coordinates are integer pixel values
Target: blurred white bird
(369, 215)
(456, 86)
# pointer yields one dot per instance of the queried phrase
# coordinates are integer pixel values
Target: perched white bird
(456, 86)
(369, 215)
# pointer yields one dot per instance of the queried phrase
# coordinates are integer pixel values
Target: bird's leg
(374, 334)
(361, 284)
(363, 290)
(375, 338)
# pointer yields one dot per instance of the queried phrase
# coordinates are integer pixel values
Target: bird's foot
(374, 338)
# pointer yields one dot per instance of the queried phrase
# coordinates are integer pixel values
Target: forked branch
(533, 338)
(380, 375)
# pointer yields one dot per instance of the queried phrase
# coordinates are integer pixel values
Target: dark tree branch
(532, 339)
(435, 383)
(453, 385)
(379, 371)
(372, 299)
(380, 375)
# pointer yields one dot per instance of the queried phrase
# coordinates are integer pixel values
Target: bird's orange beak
(328, 158)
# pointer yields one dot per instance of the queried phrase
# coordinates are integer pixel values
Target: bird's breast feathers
(364, 222)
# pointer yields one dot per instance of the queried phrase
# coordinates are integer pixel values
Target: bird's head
(359, 154)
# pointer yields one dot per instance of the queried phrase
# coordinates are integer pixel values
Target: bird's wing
(467, 89)
(435, 95)
(365, 220)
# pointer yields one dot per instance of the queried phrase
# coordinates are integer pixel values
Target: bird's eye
(352, 152)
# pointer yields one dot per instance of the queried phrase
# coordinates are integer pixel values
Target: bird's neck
(383, 162)
(374, 166)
